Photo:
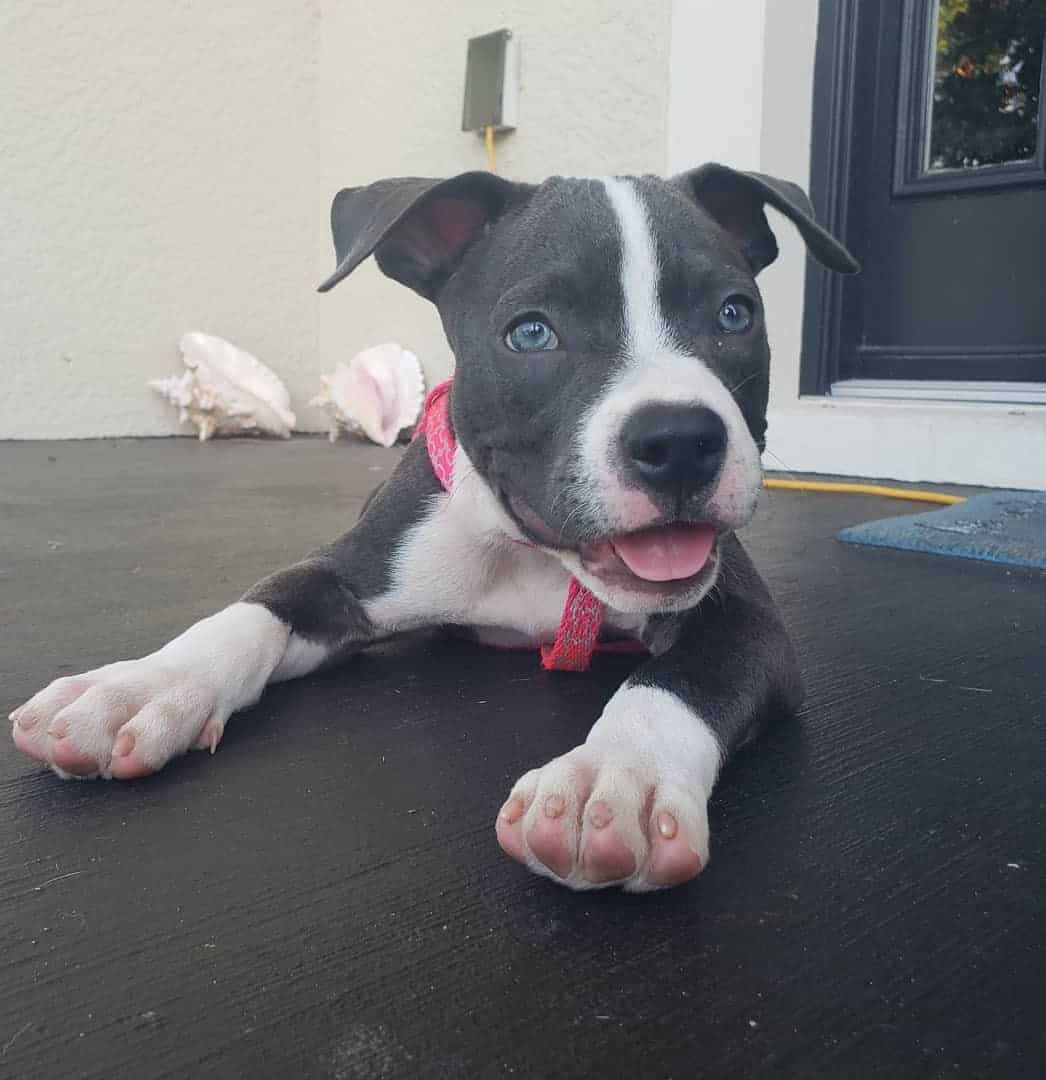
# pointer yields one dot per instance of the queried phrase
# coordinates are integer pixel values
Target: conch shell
(377, 393)
(226, 391)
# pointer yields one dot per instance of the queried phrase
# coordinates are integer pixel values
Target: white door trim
(993, 445)
(1011, 393)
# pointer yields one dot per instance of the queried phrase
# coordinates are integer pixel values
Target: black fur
(321, 598)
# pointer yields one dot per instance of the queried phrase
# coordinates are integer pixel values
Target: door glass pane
(987, 68)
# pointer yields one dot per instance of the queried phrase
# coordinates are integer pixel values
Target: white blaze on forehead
(645, 329)
(656, 369)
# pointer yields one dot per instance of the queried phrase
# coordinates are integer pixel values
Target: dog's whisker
(744, 382)
(784, 465)
(558, 495)
(573, 513)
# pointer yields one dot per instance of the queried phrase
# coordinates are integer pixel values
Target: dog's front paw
(594, 818)
(121, 721)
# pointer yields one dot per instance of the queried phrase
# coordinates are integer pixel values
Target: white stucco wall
(158, 174)
(170, 167)
(715, 103)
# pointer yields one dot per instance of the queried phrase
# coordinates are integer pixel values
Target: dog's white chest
(524, 599)
(451, 569)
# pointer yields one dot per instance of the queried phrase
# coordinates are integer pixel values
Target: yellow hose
(488, 139)
(863, 489)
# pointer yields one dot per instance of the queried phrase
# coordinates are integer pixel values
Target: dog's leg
(628, 806)
(130, 718)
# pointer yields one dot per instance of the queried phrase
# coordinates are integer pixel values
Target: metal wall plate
(491, 82)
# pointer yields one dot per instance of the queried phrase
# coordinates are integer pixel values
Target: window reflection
(986, 82)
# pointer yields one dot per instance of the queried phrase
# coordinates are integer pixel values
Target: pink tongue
(668, 553)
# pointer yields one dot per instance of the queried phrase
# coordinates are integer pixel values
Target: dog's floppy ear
(736, 201)
(416, 228)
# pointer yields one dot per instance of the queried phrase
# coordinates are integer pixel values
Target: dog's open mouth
(660, 560)
(656, 560)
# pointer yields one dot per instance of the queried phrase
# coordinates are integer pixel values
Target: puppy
(580, 482)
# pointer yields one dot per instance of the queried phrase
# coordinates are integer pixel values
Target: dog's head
(612, 366)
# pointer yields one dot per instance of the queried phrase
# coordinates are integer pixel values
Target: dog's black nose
(674, 450)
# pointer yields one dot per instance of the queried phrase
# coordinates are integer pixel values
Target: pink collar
(578, 635)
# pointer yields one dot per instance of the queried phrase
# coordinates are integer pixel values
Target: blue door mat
(1004, 527)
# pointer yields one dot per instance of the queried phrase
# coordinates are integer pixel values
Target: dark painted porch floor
(325, 897)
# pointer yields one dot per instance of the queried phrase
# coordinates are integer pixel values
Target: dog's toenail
(512, 810)
(554, 806)
(57, 733)
(599, 815)
(666, 825)
(25, 722)
(124, 744)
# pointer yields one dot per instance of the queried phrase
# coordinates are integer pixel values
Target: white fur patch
(654, 730)
(299, 658)
(465, 564)
(645, 331)
(658, 371)
(235, 649)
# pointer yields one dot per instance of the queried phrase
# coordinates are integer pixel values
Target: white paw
(590, 821)
(123, 721)
(628, 808)
(130, 718)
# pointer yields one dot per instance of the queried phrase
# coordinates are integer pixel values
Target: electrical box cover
(491, 83)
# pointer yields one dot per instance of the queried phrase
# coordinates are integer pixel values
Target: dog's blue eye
(531, 335)
(735, 316)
